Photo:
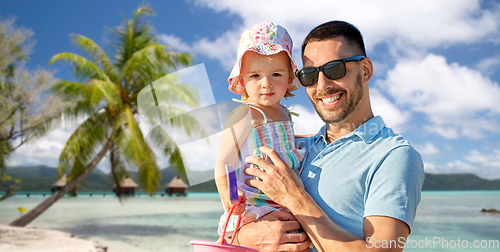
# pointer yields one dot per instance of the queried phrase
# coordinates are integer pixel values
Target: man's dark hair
(335, 29)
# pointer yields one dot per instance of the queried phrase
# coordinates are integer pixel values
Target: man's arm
(283, 186)
(275, 231)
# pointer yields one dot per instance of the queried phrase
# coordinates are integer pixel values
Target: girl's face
(266, 77)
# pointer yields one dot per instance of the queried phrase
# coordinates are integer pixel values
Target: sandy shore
(30, 239)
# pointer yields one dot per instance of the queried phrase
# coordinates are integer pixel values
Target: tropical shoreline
(147, 224)
(24, 239)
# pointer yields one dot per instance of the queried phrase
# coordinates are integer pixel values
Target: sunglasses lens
(334, 70)
(308, 76)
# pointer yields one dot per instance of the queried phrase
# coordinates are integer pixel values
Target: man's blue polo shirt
(370, 171)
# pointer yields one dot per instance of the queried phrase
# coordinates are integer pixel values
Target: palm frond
(83, 68)
(87, 98)
(103, 91)
(152, 63)
(176, 161)
(130, 137)
(97, 55)
(134, 35)
(118, 165)
(68, 90)
(80, 147)
(149, 175)
(78, 95)
(159, 139)
(136, 152)
(143, 10)
(173, 93)
(180, 119)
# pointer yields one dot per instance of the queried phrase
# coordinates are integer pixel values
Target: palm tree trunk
(42, 207)
(118, 189)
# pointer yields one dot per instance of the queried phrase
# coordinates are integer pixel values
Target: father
(360, 184)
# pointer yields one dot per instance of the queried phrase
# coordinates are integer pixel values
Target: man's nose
(323, 83)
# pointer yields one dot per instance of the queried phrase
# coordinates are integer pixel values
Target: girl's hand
(240, 208)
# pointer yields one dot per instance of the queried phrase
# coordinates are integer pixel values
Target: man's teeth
(330, 99)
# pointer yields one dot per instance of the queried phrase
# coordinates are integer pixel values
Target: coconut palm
(107, 97)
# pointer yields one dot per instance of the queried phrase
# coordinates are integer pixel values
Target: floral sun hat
(266, 39)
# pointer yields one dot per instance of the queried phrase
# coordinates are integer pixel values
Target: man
(360, 184)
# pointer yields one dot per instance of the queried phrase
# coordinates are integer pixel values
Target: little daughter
(263, 74)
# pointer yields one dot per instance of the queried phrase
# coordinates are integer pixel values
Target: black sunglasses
(332, 70)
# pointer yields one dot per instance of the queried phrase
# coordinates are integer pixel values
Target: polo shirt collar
(367, 131)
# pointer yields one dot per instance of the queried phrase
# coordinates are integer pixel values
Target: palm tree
(107, 96)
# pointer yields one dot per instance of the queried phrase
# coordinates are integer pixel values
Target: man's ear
(367, 69)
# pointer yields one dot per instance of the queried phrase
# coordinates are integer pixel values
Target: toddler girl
(263, 74)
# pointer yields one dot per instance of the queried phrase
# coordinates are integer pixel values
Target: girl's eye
(276, 74)
(254, 76)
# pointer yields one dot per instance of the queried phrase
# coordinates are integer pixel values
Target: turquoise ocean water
(446, 221)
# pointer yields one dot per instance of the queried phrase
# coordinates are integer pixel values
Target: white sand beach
(16, 239)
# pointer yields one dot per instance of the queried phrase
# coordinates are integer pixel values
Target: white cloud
(457, 100)
(490, 65)
(401, 24)
(491, 160)
(175, 42)
(484, 164)
(449, 132)
(430, 168)
(45, 150)
(392, 115)
(427, 149)
(217, 49)
(308, 122)
(409, 29)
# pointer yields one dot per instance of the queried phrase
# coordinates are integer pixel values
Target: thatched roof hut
(127, 186)
(59, 184)
(177, 185)
(127, 182)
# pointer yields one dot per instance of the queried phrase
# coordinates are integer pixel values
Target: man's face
(334, 100)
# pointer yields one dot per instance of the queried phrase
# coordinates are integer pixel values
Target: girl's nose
(266, 84)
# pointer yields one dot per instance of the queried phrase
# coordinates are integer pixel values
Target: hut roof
(61, 182)
(177, 182)
(127, 182)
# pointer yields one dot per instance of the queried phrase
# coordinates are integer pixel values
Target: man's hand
(279, 181)
(275, 231)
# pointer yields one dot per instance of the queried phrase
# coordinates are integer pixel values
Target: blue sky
(436, 62)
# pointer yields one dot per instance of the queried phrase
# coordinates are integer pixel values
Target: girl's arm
(235, 132)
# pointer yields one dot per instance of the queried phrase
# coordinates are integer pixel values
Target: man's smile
(331, 100)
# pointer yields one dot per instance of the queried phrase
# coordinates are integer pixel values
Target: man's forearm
(323, 232)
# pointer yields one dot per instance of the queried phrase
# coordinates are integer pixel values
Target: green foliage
(107, 95)
(27, 111)
(465, 181)
(41, 178)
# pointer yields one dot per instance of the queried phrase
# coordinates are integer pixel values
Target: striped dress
(278, 136)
